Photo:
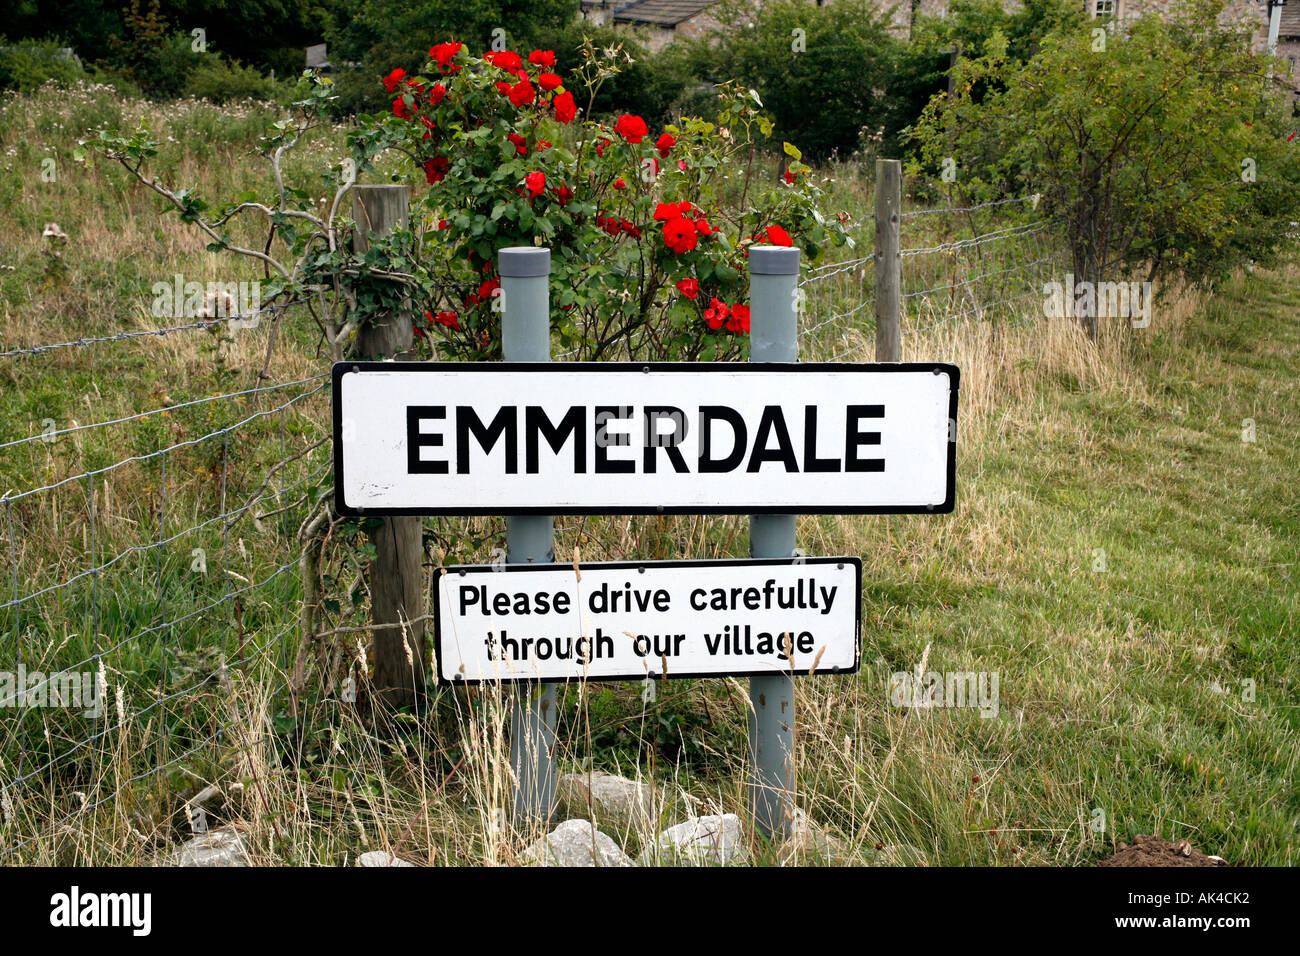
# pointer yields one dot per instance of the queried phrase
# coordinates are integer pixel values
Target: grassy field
(1120, 557)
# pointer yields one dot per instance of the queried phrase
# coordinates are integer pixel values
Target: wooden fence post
(397, 580)
(889, 262)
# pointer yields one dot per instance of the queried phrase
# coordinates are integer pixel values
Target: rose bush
(649, 231)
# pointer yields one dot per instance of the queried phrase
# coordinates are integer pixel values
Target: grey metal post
(526, 337)
(773, 285)
(889, 260)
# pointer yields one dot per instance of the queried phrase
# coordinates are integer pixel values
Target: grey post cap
(524, 262)
(774, 260)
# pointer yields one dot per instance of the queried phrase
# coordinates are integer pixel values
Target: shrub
(1159, 148)
(650, 230)
(27, 64)
(221, 81)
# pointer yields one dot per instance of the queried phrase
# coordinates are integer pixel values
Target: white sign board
(626, 438)
(650, 619)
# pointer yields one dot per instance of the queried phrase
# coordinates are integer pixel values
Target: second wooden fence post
(889, 261)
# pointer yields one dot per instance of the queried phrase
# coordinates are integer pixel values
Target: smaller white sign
(647, 620)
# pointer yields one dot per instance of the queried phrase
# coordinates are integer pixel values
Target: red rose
(486, 290)
(400, 109)
(522, 93)
(506, 60)
(789, 177)
(503, 87)
(565, 108)
(393, 80)
(536, 183)
(630, 228)
(619, 184)
(600, 147)
(562, 194)
(739, 321)
(444, 53)
(549, 81)
(543, 144)
(631, 128)
(435, 170)
(716, 314)
(679, 235)
(447, 319)
(443, 224)
(436, 94)
(520, 148)
(702, 227)
(542, 57)
(666, 142)
(777, 236)
(667, 211)
(689, 288)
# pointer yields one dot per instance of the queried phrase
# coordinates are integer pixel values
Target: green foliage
(268, 34)
(154, 59)
(27, 64)
(379, 35)
(220, 81)
(650, 86)
(970, 25)
(1138, 140)
(827, 94)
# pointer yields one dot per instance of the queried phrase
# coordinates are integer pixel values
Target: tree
(824, 73)
(1159, 147)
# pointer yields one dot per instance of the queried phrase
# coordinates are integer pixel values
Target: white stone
(381, 858)
(607, 796)
(702, 841)
(576, 843)
(217, 848)
(811, 842)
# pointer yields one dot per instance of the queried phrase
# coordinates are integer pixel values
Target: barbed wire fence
(135, 604)
(134, 601)
(970, 265)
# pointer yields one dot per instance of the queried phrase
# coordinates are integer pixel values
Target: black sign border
(938, 368)
(633, 565)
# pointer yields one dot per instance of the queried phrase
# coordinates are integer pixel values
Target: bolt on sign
(442, 438)
(648, 619)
